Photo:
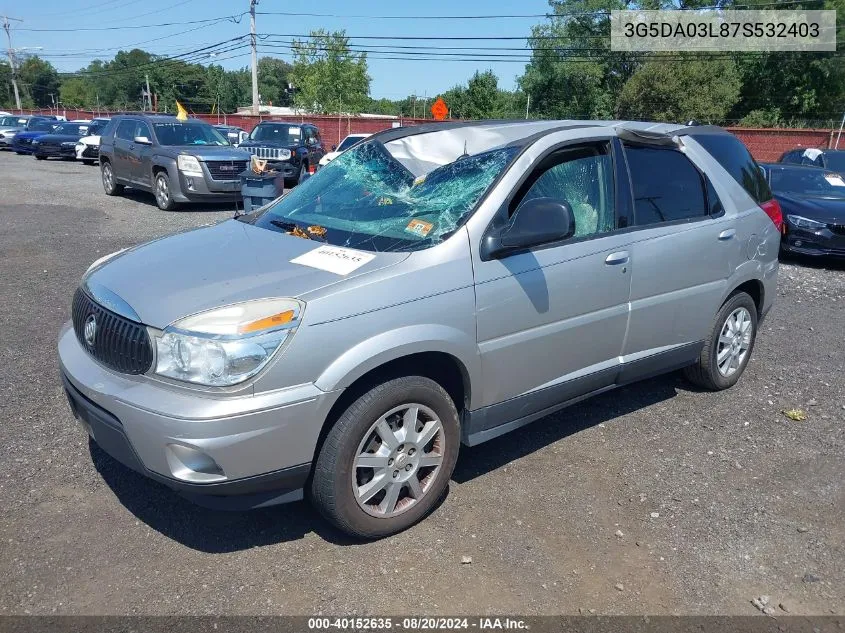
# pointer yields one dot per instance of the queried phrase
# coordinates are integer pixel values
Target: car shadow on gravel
(479, 460)
(819, 263)
(203, 529)
(216, 531)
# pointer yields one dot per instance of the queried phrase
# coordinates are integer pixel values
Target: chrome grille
(118, 343)
(225, 169)
(275, 153)
(839, 229)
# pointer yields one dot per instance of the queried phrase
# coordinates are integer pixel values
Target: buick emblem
(89, 332)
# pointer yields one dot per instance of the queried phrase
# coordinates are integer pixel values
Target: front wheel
(388, 459)
(37, 157)
(164, 197)
(87, 162)
(728, 347)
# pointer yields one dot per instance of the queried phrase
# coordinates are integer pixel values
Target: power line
(236, 18)
(600, 12)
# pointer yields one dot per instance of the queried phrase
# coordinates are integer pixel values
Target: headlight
(80, 146)
(189, 165)
(35, 141)
(805, 223)
(228, 345)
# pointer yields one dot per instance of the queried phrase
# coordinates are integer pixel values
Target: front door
(123, 143)
(552, 320)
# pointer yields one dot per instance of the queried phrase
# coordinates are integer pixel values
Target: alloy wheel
(734, 341)
(398, 460)
(162, 191)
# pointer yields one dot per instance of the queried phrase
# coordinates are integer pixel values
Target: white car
(88, 147)
(345, 144)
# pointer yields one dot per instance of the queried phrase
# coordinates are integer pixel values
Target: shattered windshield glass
(366, 199)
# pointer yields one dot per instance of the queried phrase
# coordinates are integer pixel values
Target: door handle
(727, 234)
(614, 259)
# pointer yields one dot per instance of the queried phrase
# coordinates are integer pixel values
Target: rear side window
(108, 130)
(667, 187)
(731, 154)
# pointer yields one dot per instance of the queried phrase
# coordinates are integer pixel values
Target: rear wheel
(163, 195)
(387, 460)
(109, 185)
(728, 348)
(37, 157)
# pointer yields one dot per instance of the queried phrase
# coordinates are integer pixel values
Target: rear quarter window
(731, 154)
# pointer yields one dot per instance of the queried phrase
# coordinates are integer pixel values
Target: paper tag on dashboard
(334, 259)
(836, 181)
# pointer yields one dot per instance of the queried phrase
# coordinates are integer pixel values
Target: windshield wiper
(292, 228)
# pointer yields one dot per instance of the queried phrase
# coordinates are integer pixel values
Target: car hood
(214, 153)
(330, 156)
(23, 135)
(815, 208)
(90, 140)
(213, 266)
(58, 138)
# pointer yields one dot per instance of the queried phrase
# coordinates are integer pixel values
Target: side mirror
(537, 221)
(334, 148)
(143, 140)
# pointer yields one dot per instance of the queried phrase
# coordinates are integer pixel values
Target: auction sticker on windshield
(334, 259)
(419, 227)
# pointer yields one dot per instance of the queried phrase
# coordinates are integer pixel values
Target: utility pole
(841, 125)
(149, 94)
(527, 103)
(254, 44)
(7, 27)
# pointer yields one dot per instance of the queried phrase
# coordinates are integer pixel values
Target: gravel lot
(655, 499)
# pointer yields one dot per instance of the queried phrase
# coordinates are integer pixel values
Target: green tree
(328, 76)
(40, 81)
(76, 93)
(572, 72)
(273, 75)
(7, 95)
(680, 90)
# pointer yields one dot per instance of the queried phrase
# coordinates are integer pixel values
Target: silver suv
(432, 286)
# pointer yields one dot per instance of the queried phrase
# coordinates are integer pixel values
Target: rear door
(682, 248)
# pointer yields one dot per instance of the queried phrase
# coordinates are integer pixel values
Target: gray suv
(178, 161)
(432, 286)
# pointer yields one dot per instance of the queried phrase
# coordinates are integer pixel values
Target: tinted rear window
(737, 161)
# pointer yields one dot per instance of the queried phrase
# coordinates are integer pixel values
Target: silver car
(433, 286)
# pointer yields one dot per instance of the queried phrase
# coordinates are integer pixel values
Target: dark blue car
(61, 142)
(22, 143)
(813, 205)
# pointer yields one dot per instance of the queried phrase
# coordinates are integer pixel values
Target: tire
(415, 473)
(162, 192)
(21, 153)
(37, 157)
(110, 186)
(87, 162)
(726, 351)
(298, 180)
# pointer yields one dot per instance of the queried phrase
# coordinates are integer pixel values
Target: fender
(394, 344)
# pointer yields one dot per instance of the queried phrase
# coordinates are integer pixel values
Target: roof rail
(648, 137)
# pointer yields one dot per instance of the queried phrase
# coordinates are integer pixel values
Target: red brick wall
(765, 144)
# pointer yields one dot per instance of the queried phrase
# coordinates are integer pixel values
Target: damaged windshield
(366, 199)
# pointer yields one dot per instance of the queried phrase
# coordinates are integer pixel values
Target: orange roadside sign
(439, 109)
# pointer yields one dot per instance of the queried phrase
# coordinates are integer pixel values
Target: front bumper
(829, 241)
(260, 446)
(54, 151)
(88, 152)
(22, 148)
(204, 188)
